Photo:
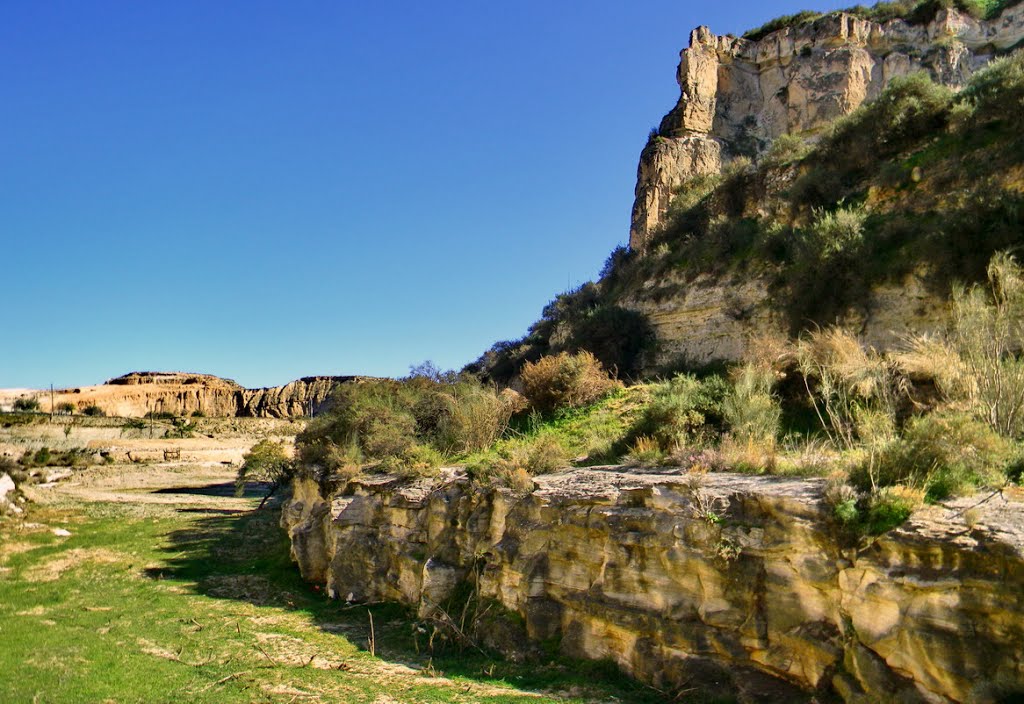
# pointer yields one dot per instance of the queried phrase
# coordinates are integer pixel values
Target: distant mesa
(137, 394)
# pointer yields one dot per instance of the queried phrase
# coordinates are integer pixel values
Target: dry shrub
(808, 456)
(645, 452)
(847, 384)
(566, 381)
(944, 454)
(475, 417)
(979, 365)
(751, 410)
(517, 463)
(748, 454)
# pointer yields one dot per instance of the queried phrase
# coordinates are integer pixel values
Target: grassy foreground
(187, 602)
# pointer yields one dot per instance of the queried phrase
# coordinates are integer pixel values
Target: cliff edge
(737, 95)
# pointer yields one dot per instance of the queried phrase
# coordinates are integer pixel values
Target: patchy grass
(177, 603)
(597, 434)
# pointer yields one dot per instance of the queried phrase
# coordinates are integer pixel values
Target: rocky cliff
(737, 95)
(179, 393)
(734, 581)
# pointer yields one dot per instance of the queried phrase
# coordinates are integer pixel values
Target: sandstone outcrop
(7, 493)
(716, 318)
(737, 95)
(181, 394)
(731, 579)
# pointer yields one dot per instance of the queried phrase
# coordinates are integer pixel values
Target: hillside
(832, 169)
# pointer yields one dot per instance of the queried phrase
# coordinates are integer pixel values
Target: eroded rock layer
(731, 579)
(737, 95)
(182, 394)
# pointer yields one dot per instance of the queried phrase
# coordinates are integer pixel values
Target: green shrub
(978, 365)
(684, 410)
(65, 408)
(93, 410)
(996, 92)
(786, 149)
(45, 457)
(26, 404)
(473, 418)
(565, 381)
(750, 409)
(404, 426)
(873, 512)
(946, 454)
(783, 22)
(616, 336)
(511, 464)
(182, 428)
(890, 508)
(267, 461)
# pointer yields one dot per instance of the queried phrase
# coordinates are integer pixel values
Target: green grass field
(189, 603)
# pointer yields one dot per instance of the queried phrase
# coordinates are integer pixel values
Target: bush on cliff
(407, 426)
(566, 380)
(944, 454)
(684, 411)
(585, 319)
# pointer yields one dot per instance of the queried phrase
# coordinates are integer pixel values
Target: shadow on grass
(253, 490)
(245, 556)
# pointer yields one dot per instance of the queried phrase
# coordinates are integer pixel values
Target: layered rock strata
(731, 579)
(181, 394)
(737, 95)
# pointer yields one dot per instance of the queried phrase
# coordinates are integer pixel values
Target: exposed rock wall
(713, 319)
(139, 393)
(737, 95)
(739, 580)
(302, 397)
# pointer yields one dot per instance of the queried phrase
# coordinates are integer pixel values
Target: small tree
(28, 404)
(266, 461)
(182, 427)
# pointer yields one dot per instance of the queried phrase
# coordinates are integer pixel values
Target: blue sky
(268, 190)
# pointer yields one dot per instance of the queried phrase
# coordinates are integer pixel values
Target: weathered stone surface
(737, 95)
(714, 318)
(737, 579)
(7, 487)
(179, 393)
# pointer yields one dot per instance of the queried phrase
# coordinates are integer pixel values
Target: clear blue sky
(267, 190)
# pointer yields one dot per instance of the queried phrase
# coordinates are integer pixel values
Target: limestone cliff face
(302, 397)
(139, 393)
(716, 318)
(733, 579)
(737, 95)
